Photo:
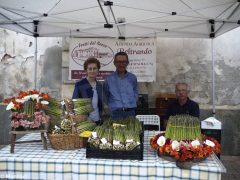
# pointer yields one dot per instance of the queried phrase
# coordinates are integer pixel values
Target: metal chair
(150, 121)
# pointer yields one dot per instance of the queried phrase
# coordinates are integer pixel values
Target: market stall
(31, 161)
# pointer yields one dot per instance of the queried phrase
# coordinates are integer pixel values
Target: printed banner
(141, 54)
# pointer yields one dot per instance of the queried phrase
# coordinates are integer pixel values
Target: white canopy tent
(116, 18)
(121, 19)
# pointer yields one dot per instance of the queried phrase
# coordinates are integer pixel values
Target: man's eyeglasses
(181, 90)
(122, 62)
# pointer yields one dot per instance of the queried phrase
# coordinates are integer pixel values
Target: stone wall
(17, 63)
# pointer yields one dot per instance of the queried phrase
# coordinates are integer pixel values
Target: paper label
(94, 135)
(129, 140)
(116, 142)
(104, 141)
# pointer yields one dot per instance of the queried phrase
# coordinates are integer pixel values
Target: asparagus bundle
(97, 134)
(118, 139)
(29, 108)
(183, 127)
(133, 124)
(81, 102)
(107, 123)
(137, 125)
(106, 140)
(54, 109)
(117, 135)
(82, 106)
(132, 139)
(87, 125)
(83, 110)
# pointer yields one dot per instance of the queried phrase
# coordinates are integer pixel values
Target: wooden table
(15, 133)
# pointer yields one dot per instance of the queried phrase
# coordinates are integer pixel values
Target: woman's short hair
(91, 60)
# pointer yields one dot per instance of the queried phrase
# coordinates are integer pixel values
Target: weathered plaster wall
(17, 63)
(190, 60)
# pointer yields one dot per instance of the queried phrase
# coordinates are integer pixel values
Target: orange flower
(19, 101)
(22, 94)
(45, 96)
(33, 91)
(161, 150)
(6, 100)
(17, 106)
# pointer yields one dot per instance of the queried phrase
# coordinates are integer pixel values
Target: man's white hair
(182, 83)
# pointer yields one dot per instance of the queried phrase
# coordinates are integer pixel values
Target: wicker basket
(66, 141)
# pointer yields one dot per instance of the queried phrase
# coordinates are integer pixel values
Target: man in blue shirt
(183, 105)
(121, 89)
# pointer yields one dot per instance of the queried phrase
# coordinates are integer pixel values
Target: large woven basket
(66, 141)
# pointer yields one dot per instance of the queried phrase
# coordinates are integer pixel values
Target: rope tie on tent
(35, 23)
(212, 23)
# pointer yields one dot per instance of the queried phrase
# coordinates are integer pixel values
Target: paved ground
(232, 164)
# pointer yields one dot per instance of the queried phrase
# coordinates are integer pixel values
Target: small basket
(66, 141)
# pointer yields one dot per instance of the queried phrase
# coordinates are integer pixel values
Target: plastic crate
(135, 154)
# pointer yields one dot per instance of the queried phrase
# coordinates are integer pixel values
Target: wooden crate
(162, 102)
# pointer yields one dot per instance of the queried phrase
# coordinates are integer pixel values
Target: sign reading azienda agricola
(141, 52)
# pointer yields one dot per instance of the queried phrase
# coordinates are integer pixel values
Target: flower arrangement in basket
(183, 140)
(28, 110)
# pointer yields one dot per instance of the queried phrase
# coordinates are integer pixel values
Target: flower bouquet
(28, 110)
(183, 141)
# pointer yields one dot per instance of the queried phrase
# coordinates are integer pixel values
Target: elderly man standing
(121, 89)
(183, 105)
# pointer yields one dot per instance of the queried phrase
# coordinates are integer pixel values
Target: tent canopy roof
(130, 18)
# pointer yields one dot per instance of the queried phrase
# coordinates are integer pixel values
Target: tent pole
(35, 23)
(35, 64)
(213, 80)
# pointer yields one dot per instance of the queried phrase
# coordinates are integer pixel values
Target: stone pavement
(232, 164)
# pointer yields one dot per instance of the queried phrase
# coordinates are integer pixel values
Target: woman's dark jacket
(83, 89)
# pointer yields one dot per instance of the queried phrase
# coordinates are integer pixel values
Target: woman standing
(90, 88)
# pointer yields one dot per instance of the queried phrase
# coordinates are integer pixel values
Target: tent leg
(35, 64)
(213, 80)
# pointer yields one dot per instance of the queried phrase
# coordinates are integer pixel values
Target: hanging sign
(141, 54)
